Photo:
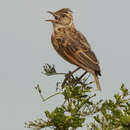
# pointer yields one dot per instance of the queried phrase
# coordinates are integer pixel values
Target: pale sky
(25, 46)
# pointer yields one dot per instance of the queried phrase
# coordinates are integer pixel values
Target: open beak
(52, 20)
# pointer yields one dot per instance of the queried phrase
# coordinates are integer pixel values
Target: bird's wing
(80, 53)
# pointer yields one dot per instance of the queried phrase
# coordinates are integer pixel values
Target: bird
(72, 45)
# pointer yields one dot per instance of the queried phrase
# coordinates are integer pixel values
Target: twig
(51, 96)
(53, 74)
(40, 93)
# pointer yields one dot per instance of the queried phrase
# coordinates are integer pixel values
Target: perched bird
(72, 45)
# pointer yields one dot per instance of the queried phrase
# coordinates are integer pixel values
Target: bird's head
(62, 17)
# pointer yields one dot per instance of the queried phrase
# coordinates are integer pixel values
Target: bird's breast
(58, 43)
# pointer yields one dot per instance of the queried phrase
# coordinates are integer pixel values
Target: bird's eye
(56, 17)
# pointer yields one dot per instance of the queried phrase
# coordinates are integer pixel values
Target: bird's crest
(64, 10)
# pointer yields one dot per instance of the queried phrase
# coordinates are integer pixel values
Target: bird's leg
(75, 70)
(78, 80)
(68, 76)
(82, 75)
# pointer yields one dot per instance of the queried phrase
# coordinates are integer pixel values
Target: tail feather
(97, 82)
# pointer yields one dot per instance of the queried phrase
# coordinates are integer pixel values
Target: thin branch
(51, 96)
(53, 74)
(40, 93)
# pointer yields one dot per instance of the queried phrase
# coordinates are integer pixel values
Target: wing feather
(81, 55)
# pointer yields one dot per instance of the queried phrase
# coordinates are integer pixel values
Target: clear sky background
(25, 46)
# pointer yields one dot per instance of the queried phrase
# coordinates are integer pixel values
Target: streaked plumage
(72, 45)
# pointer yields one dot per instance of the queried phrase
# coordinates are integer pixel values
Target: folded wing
(81, 54)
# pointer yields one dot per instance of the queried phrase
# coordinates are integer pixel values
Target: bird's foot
(67, 76)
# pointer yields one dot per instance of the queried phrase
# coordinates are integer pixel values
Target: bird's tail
(97, 82)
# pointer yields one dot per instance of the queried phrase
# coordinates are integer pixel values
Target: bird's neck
(62, 28)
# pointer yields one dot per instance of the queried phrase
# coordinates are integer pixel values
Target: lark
(72, 44)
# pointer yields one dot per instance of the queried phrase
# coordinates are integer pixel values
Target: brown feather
(73, 46)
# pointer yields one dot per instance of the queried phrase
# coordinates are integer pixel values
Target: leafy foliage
(79, 104)
(114, 114)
